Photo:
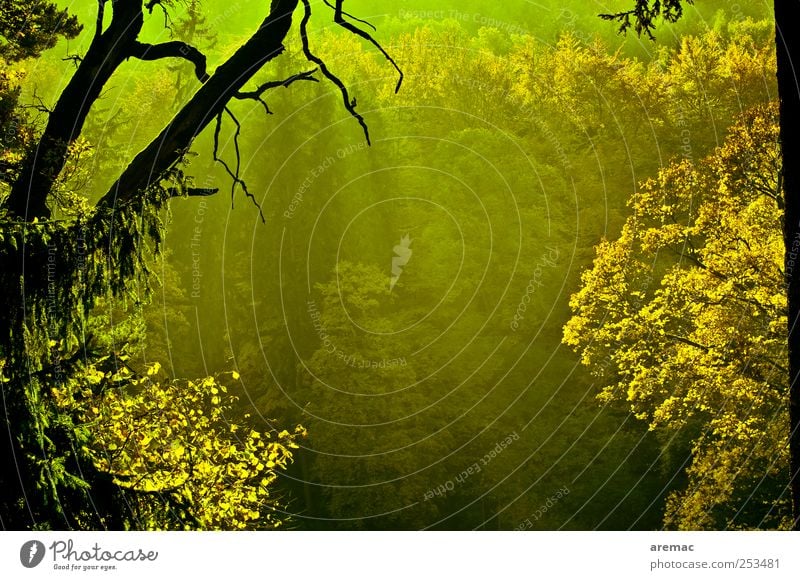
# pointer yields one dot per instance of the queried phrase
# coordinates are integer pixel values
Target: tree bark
(787, 15)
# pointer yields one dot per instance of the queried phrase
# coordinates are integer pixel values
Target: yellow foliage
(176, 443)
(684, 317)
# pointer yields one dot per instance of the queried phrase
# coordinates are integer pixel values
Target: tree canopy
(683, 318)
(162, 352)
(788, 53)
(28, 28)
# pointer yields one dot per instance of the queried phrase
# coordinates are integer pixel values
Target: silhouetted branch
(256, 94)
(39, 106)
(172, 49)
(76, 59)
(43, 162)
(192, 191)
(234, 174)
(642, 17)
(152, 4)
(150, 164)
(339, 18)
(101, 7)
(350, 16)
(685, 340)
(349, 104)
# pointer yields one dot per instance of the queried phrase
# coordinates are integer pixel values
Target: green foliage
(16, 128)
(503, 160)
(192, 27)
(503, 163)
(28, 28)
(73, 265)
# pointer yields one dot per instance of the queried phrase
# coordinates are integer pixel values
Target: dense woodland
(540, 286)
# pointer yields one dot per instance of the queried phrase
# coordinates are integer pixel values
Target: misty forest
(452, 265)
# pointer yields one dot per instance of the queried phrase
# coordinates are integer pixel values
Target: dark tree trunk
(787, 16)
(23, 504)
(65, 123)
(209, 101)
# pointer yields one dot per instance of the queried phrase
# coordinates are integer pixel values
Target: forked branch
(349, 104)
(256, 94)
(339, 18)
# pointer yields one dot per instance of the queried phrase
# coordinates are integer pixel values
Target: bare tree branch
(192, 191)
(349, 104)
(41, 166)
(351, 17)
(256, 94)
(76, 59)
(339, 18)
(119, 41)
(204, 106)
(101, 7)
(152, 4)
(234, 174)
(172, 49)
(39, 106)
(685, 340)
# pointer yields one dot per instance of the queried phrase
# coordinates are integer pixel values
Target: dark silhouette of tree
(642, 18)
(101, 248)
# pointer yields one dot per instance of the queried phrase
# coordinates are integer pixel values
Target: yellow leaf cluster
(684, 317)
(177, 448)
